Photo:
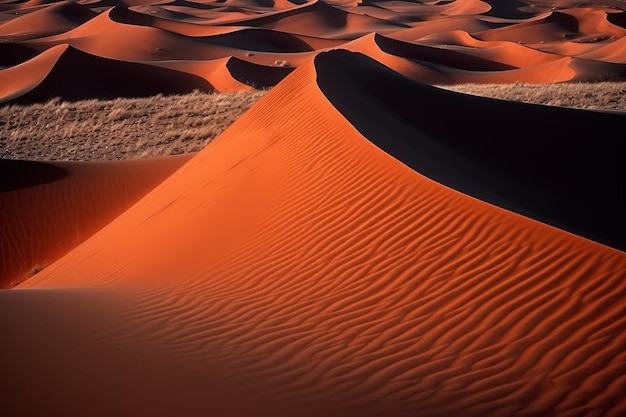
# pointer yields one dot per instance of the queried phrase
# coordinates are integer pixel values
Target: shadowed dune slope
(12, 54)
(18, 82)
(561, 166)
(260, 76)
(434, 65)
(314, 274)
(48, 208)
(56, 18)
(78, 75)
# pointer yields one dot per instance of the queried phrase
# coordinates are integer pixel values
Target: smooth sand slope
(96, 48)
(295, 268)
(48, 208)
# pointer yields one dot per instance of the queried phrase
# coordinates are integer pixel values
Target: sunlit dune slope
(294, 268)
(48, 208)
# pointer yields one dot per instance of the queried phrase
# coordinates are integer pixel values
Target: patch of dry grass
(169, 125)
(601, 95)
(118, 129)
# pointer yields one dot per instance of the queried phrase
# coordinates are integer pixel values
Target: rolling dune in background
(293, 267)
(357, 243)
(109, 43)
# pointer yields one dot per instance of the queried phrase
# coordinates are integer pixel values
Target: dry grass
(118, 129)
(602, 95)
(168, 125)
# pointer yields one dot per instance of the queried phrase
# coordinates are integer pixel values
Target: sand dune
(19, 80)
(452, 42)
(293, 267)
(320, 19)
(51, 20)
(69, 73)
(104, 37)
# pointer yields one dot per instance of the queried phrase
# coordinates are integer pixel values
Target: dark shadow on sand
(15, 175)
(561, 166)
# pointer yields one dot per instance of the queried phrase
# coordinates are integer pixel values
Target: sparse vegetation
(601, 95)
(168, 125)
(118, 129)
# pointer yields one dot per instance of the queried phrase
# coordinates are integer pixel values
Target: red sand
(294, 267)
(48, 208)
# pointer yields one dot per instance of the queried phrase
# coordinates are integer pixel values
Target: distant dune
(359, 242)
(112, 49)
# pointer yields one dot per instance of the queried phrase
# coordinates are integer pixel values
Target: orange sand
(48, 208)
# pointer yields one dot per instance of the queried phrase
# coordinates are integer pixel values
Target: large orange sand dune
(295, 268)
